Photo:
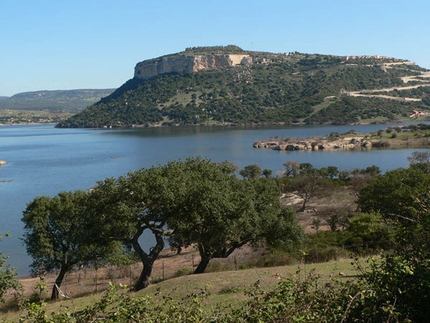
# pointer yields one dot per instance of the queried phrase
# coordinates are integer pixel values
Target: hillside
(228, 85)
(60, 100)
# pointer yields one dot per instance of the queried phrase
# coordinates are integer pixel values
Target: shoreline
(392, 139)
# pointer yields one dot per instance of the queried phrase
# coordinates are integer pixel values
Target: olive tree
(127, 207)
(218, 212)
(58, 235)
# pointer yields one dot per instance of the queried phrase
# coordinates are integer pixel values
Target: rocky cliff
(188, 63)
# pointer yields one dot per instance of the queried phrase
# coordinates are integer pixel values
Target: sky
(95, 44)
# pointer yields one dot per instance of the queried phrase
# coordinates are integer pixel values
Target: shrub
(183, 272)
(381, 144)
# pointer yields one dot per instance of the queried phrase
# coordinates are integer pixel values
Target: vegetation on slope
(277, 88)
(54, 101)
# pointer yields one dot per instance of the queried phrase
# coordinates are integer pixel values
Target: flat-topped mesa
(188, 64)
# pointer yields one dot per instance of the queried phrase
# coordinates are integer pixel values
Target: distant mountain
(228, 85)
(60, 100)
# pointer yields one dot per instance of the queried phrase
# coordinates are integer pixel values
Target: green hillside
(54, 101)
(291, 88)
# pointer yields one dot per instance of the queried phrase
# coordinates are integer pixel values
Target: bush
(183, 272)
(380, 144)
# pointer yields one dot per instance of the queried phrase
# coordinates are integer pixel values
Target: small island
(402, 137)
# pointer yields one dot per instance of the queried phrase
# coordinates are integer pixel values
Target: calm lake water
(43, 160)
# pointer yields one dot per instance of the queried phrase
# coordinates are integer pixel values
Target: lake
(43, 160)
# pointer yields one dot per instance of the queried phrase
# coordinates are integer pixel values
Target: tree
(398, 195)
(218, 212)
(403, 277)
(58, 235)
(127, 207)
(285, 232)
(7, 276)
(420, 159)
(309, 184)
(333, 171)
(291, 168)
(360, 178)
(368, 231)
(316, 224)
(305, 166)
(267, 172)
(251, 171)
(214, 209)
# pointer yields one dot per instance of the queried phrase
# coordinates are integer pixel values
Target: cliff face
(191, 63)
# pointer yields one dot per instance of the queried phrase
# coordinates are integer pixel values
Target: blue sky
(59, 45)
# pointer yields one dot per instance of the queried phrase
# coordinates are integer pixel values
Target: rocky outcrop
(188, 63)
(351, 143)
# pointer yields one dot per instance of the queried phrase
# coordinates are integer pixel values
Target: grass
(226, 287)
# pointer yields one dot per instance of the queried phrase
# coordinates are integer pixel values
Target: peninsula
(414, 136)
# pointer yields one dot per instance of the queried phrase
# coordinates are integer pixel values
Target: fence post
(163, 269)
(130, 275)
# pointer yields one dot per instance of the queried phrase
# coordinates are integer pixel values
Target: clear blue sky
(58, 45)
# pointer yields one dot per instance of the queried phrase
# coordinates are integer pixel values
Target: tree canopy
(191, 202)
(58, 234)
(402, 197)
(220, 213)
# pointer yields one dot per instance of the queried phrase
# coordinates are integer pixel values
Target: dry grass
(223, 287)
(340, 200)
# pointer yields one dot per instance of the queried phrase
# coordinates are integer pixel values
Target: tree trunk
(303, 208)
(58, 281)
(147, 259)
(202, 265)
(143, 280)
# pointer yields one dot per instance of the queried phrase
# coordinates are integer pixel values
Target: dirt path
(405, 79)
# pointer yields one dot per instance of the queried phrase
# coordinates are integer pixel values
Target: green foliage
(220, 213)
(8, 279)
(285, 232)
(367, 233)
(397, 195)
(403, 278)
(400, 287)
(61, 100)
(251, 171)
(296, 298)
(125, 208)
(229, 49)
(58, 234)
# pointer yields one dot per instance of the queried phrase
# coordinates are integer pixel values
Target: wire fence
(83, 281)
